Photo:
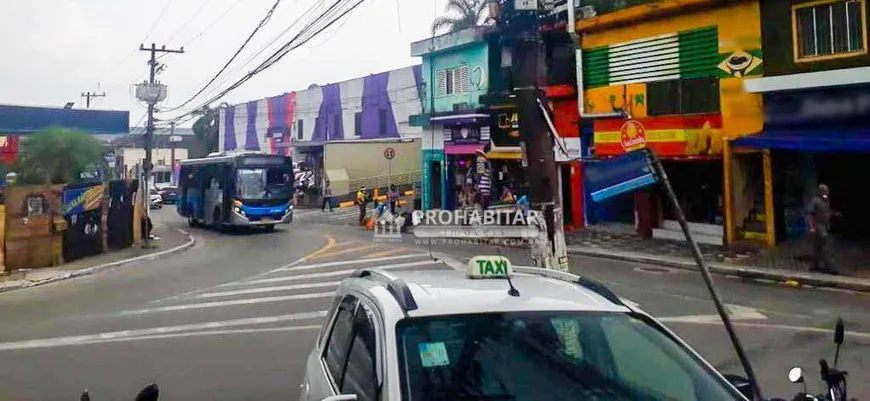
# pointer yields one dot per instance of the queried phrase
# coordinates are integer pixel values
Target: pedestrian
(393, 198)
(484, 188)
(361, 199)
(327, 197)
(820, 213)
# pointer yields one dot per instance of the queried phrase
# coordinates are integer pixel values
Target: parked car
(156, 199)
(169, 194)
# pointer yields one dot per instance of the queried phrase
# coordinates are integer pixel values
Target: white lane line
(349, 262)
(260, 290)
(735, 312)
(327, 274)
(116, 335)
(220, 304)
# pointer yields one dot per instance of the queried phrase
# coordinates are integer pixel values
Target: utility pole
(151, 93)
(89, 95)
(519, 28)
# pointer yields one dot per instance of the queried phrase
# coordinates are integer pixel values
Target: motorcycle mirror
(796, 375)
(150, 393)
(839, 332)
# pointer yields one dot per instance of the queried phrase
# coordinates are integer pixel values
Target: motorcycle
(834, 378)
(150, 393)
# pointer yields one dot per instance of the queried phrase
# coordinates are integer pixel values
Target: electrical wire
(260, 25)
(334, 13)
(184, 25)
(157, 21)
(212, 24)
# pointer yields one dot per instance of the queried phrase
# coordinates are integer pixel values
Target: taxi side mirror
(341, 397)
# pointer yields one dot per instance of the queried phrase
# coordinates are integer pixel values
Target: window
(360, 376)
(453, 81)
(683, 96)
(338, 344)
(829, 29)
(299, 129)
(382, 121)
(357, 123)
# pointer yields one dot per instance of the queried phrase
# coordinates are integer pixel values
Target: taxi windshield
(549, 356)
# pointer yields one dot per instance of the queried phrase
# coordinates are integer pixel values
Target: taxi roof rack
(584, 282)
(397, 287)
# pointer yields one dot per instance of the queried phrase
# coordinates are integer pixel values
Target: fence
(383, 181)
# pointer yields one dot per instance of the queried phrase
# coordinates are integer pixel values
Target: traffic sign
(389, 153)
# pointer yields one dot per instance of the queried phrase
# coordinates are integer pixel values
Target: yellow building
(675, 69)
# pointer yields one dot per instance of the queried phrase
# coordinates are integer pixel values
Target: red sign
(633, 135)
(8, 148)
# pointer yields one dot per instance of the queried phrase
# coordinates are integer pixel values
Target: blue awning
(810, 141)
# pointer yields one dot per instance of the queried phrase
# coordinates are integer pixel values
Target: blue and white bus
(242, 189)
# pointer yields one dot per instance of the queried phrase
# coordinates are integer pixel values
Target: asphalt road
(234, 317)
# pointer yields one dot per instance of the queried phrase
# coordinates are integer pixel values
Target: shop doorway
(698, 186)
(435, 167)
(849, 193)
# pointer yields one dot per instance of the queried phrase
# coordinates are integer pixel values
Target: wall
(365, 159)
(265, 124)
(737, 34)
(134, 156)
(778, 40)
(476, 56)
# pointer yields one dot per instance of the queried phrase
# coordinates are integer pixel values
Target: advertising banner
(79, 200)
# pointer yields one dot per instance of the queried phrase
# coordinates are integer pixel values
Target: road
(235, 316)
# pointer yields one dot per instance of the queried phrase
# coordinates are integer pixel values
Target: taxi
(498, 332)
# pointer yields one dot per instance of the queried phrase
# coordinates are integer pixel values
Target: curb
(795, 279)
(191, 241)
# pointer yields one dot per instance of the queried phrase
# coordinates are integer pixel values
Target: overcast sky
(54, 50)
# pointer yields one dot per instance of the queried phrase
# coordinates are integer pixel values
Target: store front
(505, 153)
(813, 136)
(690, 148)
(465, 134)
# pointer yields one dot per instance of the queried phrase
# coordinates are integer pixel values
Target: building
(167, 149)
(674, 71)
(16, 122)
(302, 123)
(816, 92)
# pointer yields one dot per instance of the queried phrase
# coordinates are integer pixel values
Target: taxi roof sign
(489, 267)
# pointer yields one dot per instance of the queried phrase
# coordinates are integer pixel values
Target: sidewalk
(171, 241)
(788, 263)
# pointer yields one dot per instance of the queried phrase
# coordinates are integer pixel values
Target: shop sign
(818, 109)
(82, 199)
(569, 149)
(632, 135)
(506, 129)
(464, 135)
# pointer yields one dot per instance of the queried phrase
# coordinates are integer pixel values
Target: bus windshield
(264, 183)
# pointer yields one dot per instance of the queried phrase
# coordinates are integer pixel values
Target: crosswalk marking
(235, 302)
(349, 262)
(261, 290)
(344, 251)
(163, 330)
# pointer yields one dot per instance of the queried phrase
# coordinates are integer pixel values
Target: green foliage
(205, 129)
(462, 14)
(57, 156)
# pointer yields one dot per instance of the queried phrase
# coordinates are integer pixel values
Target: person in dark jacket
(820, 213)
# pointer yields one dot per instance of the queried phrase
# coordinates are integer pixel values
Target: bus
(242, 189)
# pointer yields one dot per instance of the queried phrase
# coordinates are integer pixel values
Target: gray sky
(56, 49)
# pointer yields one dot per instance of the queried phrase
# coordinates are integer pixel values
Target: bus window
(263, 183)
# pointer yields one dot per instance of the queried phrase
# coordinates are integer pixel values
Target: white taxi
(498, 332)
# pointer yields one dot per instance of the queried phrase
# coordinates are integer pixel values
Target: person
(507, 196)
(484, 188)
(820, 213)
(393, 198)
(361, 198)
(327, 197)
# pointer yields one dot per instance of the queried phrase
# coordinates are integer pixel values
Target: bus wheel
(270, 227)
(191, 221)
(216, 223)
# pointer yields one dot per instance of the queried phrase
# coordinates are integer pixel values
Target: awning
(462, 149)
(810, 141)
(504, 155)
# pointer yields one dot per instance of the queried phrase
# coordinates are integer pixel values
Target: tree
(461, 14)
(57, 156)
(205, 129)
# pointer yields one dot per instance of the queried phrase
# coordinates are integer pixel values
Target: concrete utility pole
(519, 28)
(152, 94)
(89, 95)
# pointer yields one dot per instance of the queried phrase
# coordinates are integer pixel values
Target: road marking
(348, 262)
(220, 304)
(268, 289)
(735, 312)
(344, 272)
(164, 330)
(389, 252)
(343, 251)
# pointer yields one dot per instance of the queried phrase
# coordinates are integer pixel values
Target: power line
(260, 25)
(157, 21)
(334, 13)
(212, 24)
(184, 25)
